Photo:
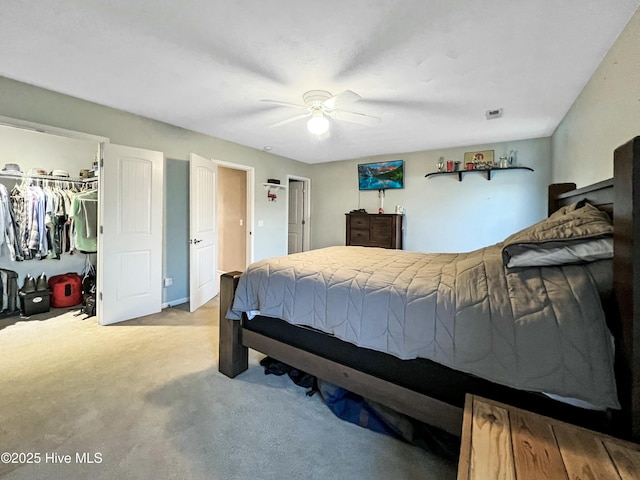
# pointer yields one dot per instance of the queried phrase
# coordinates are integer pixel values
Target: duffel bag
(66, 290)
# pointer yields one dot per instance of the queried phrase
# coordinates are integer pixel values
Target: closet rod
(49, 177)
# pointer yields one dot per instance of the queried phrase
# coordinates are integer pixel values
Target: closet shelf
(48, 177)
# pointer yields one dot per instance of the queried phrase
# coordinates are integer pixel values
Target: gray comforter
(535, 328)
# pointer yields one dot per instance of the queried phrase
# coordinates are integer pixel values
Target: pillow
(541, 255)
(573, 234)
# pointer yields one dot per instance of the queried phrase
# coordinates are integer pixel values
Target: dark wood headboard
(599, 194)
(620, 197)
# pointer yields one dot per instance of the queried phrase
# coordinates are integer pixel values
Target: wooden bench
(503, 442)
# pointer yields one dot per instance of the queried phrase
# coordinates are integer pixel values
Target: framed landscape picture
(381, 175)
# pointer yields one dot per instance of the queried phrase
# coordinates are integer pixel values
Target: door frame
(250, 171)
(306, 195)
(42, 128)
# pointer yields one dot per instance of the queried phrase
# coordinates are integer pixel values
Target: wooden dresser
(503, 442)
(374, 230)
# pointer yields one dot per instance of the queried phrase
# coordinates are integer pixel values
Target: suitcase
(66, 290)
(9, 300)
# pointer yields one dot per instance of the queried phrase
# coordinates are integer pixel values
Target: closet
(42, 198)
(118, 213)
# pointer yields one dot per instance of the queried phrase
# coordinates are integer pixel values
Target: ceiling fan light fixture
(318, 124)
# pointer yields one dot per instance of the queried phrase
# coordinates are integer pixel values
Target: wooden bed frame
(619, 196)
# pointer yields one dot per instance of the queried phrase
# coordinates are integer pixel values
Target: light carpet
(144, 399)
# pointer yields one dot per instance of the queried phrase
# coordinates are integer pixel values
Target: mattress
(539, 329)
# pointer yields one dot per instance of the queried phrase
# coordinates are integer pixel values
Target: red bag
(66, 290)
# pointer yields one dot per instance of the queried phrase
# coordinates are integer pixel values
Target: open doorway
(298, 213)
(235, 216)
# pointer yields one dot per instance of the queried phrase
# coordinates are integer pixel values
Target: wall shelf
(272, 190)
(487, 171)
(273, 186)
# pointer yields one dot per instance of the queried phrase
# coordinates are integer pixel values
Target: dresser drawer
(380, 229)
(359, 237)
(360, 221)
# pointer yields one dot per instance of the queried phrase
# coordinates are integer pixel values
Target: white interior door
(130, 244)
(296, 216)
(203, 236)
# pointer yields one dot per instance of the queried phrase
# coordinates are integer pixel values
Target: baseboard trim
(173, 303)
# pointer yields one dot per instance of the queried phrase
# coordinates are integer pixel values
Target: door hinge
(101, 231)
(100, 296)
(303, 222)
(102, 162)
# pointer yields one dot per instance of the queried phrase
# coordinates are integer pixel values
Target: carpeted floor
(144, 400)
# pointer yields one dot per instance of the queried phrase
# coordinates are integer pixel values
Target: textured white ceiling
(429, 68)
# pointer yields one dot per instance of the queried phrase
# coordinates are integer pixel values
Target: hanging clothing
(42, 222)
(84, 214)
(37, 242)
(8, 239)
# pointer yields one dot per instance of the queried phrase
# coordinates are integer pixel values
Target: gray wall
(26, 102)
(446, 215)
(176, 246)
(604, 116)
(442, 214)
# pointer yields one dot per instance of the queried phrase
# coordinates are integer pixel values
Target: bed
(433, 390)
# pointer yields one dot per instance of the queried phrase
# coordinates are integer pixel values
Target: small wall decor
(482, 159)
(272, 188)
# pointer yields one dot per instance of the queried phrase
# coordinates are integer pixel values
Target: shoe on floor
(42, 284)
(29, 285)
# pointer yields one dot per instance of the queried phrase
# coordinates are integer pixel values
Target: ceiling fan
(320, 104)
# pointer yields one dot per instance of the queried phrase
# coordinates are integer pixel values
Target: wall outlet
(260, 223)
(168, 282)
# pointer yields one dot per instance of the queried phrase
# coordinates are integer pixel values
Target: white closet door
(203, 232)
(130, 246)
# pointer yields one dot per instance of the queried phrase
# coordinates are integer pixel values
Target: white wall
(442, 214)
(31, 149)
(604, 116)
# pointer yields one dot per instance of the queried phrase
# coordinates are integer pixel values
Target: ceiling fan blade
(285, 104)
(354, 117)
(344, 98)
(289, 120)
